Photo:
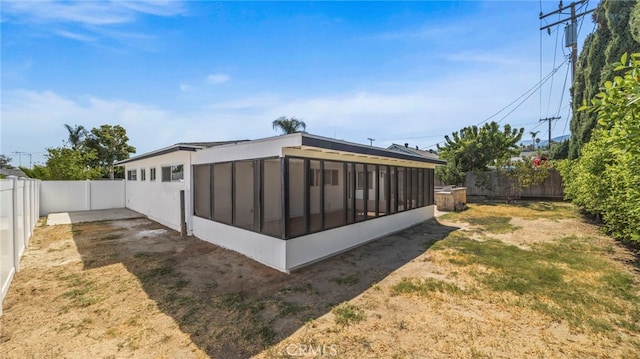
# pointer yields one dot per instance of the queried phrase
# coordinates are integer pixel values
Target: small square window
(330, 177)
(173, 173)
(314, 177)
(132, 175)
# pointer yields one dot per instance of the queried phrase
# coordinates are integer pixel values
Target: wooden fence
(552, 187)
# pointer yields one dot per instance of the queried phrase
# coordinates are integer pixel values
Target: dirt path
(134, 289)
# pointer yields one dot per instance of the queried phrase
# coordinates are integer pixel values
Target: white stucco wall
(313, 247)
(268, 147)
(286, 255)
(63, 196)
(264, 249)
(69, 196)
(160, 201)
(106, 194)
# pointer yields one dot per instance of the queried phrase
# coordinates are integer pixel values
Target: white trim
(314, 247)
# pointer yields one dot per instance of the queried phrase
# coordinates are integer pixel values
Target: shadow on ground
(232, 306)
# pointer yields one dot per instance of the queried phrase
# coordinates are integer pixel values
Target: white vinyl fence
(19, 203)
(70, 196)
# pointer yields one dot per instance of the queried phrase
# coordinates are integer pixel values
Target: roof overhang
(162, 151)
(364, 153)
(312, 146)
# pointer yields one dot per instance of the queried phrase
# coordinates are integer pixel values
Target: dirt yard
(528, 280)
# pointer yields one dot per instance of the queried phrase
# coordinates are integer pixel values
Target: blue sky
(172, 71)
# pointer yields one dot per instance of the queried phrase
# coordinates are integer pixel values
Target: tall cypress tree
(601, 49)
(634, 22)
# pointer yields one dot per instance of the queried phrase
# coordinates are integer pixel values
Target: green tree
(110, 145)
(70, 164)
(605, 180)
(475, 149)
(522, 174)
(39, 172)
(559, 151)
(76, 135)
(634, 22)
(450, 174)
(534, 135)
(5, 162)
(612, 38)
(288, 125)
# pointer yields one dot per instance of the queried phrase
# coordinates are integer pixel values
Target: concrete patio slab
(91, 216)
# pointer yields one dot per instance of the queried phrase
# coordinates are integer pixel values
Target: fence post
(34, 208)
(25, 211)
(16, 247)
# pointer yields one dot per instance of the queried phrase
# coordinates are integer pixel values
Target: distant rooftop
(412, 150)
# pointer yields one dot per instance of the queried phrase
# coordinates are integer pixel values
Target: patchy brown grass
(513, 281)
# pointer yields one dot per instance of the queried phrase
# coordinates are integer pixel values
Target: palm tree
(534, 134)
(76, 135)
(288, 125)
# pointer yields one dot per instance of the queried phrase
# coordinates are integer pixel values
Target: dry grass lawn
(524, 280)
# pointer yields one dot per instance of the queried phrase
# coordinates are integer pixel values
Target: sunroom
(290, 200)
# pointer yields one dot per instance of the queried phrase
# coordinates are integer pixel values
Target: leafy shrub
(605, 179)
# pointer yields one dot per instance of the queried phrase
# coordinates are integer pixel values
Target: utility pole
(371, 140)
(20, 153)
(550, 119)
(570, 30)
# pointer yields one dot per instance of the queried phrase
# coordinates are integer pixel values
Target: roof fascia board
(160, 152)
(342, 146)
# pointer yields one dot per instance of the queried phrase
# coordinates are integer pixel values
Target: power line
(550, 76)
(564, 87)
(535, 87)
(566, 122)
(408, 138)
(550, 119)
(570, 30)
(20, 153)
(555, 52)
(573, 21)
(556, 123)
(527, 93)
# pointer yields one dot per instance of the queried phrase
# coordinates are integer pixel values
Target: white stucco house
(285, 201)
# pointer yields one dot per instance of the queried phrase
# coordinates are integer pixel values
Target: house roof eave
(344, 146)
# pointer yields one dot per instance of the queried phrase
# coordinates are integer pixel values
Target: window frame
(132, 174)
(172, 168)
(310, 175)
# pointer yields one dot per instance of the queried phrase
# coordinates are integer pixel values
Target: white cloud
(484, 57)
(428, 31)
(218, 78)
(34, 120)
(88, 21)
(75, 36)
(425, 113)
(89, 12)
(185, 88)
